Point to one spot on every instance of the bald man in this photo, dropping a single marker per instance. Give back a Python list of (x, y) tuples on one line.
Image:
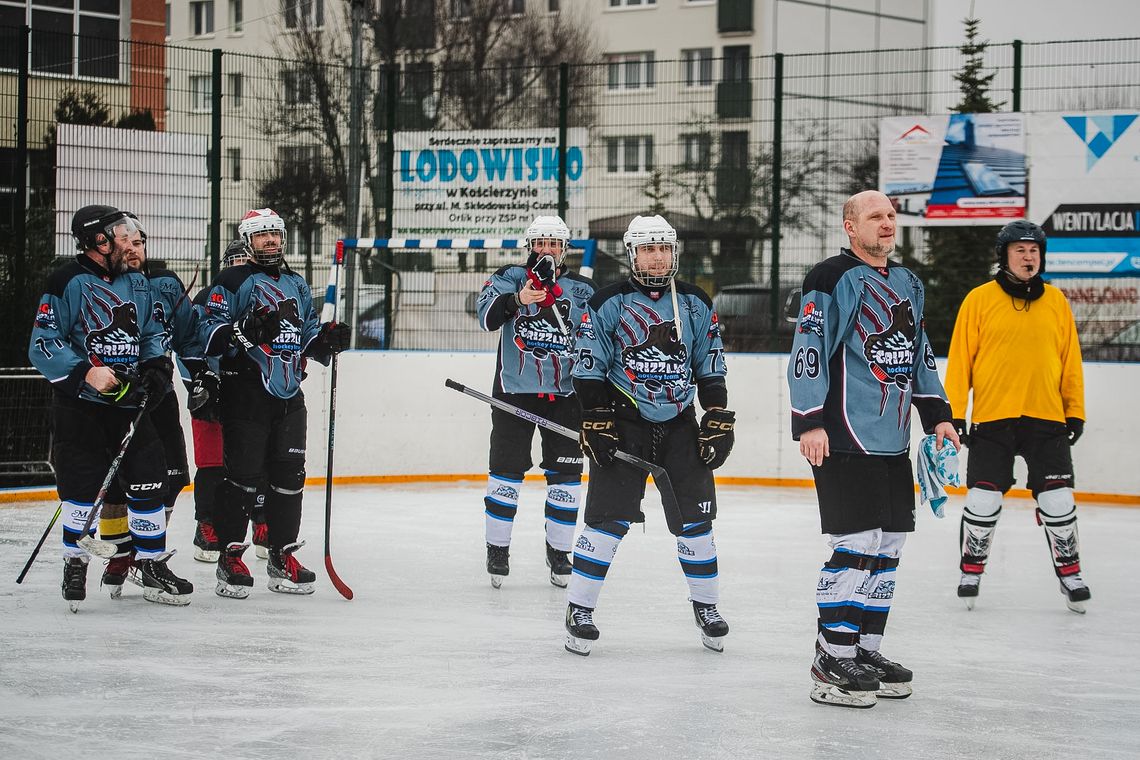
[(860, 360)]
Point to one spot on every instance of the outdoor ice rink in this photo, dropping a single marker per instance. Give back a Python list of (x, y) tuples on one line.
[(430, 662)]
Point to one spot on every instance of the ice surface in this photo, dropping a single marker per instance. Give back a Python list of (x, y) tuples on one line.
[(430, 662)]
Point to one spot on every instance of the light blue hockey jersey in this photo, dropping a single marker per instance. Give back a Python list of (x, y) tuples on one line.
[(861, 358)]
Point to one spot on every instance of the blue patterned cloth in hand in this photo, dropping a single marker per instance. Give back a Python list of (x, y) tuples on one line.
[(936, 468)]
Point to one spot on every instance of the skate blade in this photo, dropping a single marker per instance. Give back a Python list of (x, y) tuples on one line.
[(73, 605), (1077, 607), (561, 581), (827, 694), (231, 592), (497, 581), (262, 552), (714, 643), (116, 592), (578, 646), (160, 596), (894, 690), (205, 555), (288, 587), (969, 601)]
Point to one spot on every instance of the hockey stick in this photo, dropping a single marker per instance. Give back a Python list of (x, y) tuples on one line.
[(337, 583), (668, 497), (90, 544), (36, 551)]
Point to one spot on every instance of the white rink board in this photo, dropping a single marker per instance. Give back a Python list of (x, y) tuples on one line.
[(395, 417)]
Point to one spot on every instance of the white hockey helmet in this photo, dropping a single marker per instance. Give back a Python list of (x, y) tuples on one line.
[(644, 230), (263, 220), (548, 228)]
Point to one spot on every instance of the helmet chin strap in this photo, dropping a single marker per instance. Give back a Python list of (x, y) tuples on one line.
[(676, 310)]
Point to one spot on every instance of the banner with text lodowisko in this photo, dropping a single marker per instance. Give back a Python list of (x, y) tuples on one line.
[(486, 183)]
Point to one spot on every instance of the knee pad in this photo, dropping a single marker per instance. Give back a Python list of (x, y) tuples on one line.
[(863, 542), (615, 528), (141, 491), (1056, 503), (693, 530), (982, 502), (287, 478), (561, 478), (244, 496)]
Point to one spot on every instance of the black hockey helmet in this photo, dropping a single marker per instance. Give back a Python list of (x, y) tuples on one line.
[(1017, 231), (237, 252), (91, 221)]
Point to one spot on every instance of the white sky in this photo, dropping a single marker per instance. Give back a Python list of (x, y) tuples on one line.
[(1035, 20)]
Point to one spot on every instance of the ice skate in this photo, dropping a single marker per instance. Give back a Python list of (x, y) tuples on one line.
[(560, 568), (234, 580), (498, 564), (286, 574), (117, 572), (713, 627), (894, 679), (841, 681), (161, 585), (206, 547), (1076, 592), (968, 589), (74, 582), (580, 629), (261, 540)]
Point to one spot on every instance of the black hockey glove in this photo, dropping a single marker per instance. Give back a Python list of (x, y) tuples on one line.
[(261, 326), (336, 336), (203, 395), (962, 430), (1076, 428), (599, 436), (128, 391), (716, 436), (154, 379)]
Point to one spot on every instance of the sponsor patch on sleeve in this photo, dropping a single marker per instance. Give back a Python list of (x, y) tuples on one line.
[(811, 321)]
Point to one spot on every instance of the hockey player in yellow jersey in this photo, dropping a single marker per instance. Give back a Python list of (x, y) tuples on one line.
[(1015, 345)]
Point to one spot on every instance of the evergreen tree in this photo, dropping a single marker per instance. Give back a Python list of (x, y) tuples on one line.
[(959, 258)]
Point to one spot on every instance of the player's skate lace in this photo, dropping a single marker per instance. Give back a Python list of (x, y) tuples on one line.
[(581, 616), (1073, 582), (291, 567), (208, 536), (709, 614), (970, 579), (260, 534)]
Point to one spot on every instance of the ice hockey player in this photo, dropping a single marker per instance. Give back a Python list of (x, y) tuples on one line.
[(174, 313), (649, 347), (1015, 344), (207, 434), (95, 338), (533, 306), (265, 311), (860, 359)]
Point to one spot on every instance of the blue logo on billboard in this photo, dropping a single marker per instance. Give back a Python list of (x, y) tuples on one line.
[(1099, 133)]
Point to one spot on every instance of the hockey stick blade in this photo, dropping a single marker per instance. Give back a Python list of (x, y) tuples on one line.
[(660, 478), (337, 583), (97, 547), (36, 551)]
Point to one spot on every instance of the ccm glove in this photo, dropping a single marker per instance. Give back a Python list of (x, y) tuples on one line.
[(261, 326), (1076, 428), (599, 437), (716, 436), (962, 430), (203, 395)]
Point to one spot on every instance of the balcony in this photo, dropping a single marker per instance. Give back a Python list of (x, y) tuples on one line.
[(734, 100)]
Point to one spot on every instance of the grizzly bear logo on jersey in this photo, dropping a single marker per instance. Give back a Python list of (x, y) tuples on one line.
[(288, 340), (890, 352), (658, 361), (112, 326), (540, 334)]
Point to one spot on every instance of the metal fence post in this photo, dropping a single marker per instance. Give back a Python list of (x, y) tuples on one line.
[(215, 164), (563, 117), (21, 221), (393, 81), (777, 189), (1016, 75)]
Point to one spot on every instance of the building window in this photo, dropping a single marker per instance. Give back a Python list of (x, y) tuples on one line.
[(235, 90), (306, 14), (202, 18), (736, 63), (168, 21), (297, 159), (298, 88), (629, 71), (696, 67), (233, 158), (461, 8), (201, 93), (629, 154), (553, 6), (631, 3), (696, 151), (517, 7), (68, 38), (237, 16)]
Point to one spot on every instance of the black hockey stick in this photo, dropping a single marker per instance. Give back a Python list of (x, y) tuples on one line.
[(36, 551), (668, 498), (90, 544), (337, 583)]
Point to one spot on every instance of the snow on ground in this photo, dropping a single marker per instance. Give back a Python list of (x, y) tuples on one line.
[(429, 661)]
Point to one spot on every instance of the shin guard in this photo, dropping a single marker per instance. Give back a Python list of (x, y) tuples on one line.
[(501, 503), (841, 593), (979, 521), (696, 550), (114, 528), (882, 585), (147, 520), (1057, 514), (593, 553), (563, 497)]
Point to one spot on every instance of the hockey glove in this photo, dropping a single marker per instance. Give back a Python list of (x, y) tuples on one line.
[(154, 379), (544, 276), (962, 430), (1076, 427), (261, 326), (336, 336), (716, 437), (599, 436), (127, 392), (203, 395)]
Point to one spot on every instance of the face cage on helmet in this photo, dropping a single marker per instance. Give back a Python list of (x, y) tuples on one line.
[(532, 254), (648, 280), (265, 259)]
